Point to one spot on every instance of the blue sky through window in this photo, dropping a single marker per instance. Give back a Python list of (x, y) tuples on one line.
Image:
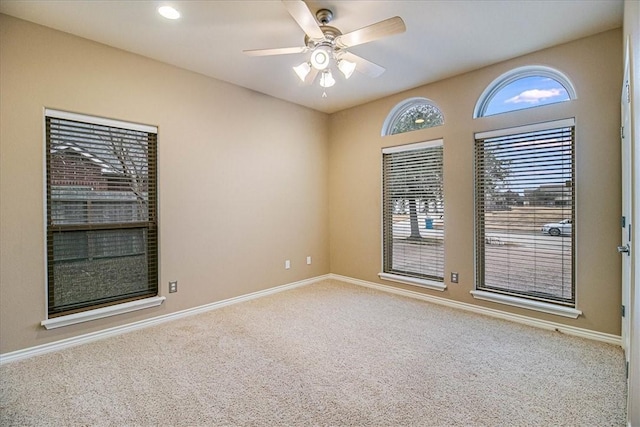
[(527, 92)]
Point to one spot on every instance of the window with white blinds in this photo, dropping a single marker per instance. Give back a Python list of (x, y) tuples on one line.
[(413, 211), (525, 212), (101, 212)]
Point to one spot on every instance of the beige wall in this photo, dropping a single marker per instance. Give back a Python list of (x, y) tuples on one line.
[(594, 66), (247, 181), (242, 176)]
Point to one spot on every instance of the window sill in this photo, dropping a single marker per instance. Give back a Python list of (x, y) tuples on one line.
[(112, 310), (543, 307), (423, 283)]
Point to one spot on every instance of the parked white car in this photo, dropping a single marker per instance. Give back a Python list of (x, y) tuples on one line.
[(563, 227)]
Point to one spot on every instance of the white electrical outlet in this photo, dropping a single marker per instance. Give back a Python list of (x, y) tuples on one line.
[(287, 264), (308, 260), (173, 286)]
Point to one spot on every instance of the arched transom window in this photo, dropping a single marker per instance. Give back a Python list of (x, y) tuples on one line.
[(524, 87), (412, 114)]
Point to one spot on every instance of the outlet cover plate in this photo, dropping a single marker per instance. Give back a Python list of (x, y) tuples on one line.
[(173, 286), (454, 277)]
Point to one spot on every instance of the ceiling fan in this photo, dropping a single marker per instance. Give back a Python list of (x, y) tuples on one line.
[(329, 47)]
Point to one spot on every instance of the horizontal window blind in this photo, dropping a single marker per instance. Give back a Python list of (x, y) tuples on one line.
[(413, 211), (101, 214), (525, 211)]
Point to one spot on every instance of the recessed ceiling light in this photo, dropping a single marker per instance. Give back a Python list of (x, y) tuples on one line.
[(168, 12)]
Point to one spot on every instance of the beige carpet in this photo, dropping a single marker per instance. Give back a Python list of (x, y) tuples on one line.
[(325, 354)]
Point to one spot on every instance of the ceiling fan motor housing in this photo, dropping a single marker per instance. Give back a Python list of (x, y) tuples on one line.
[(324, 16), (323, 50), (330, 33)]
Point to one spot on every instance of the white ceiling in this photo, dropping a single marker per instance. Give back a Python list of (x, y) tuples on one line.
[(443, 37)]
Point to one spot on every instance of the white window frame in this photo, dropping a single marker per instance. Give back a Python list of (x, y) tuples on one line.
[(107, 311), (414, 281), (512, 300)]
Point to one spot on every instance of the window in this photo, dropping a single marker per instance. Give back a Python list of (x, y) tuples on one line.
[(101, 212), (413, 214), (525, 212), (524, 87), (412, 114)]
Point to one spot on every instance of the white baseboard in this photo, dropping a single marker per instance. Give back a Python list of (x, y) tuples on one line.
[(94, 336), (538, 323), (117, 330)]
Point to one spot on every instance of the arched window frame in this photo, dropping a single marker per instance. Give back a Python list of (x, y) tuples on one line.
[(516, 74), (401, 108)]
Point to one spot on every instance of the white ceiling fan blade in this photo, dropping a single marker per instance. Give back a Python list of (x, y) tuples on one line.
[(276, 51), (305, 19), (372, 32), (310, 77), (364, 66)]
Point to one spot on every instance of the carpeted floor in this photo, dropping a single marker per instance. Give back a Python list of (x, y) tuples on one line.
[(325, 354)]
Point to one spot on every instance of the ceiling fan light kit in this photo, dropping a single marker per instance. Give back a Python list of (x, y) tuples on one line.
[(320, 57), (346, 67), (329, 46), (326, 79), (302, 70)]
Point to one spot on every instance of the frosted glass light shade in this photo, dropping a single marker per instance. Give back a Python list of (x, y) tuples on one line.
[(326, 79), (302, 70), (346, 67)]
